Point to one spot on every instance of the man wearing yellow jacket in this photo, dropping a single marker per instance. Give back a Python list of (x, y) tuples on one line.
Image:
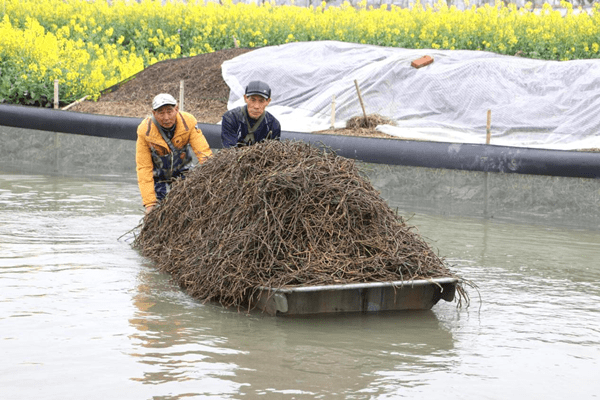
[(164, 146)]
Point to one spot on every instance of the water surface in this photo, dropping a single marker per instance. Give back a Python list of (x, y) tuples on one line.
[(82, 315)]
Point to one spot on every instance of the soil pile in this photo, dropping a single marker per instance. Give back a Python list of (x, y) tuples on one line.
[(205, 92), (280, 214)]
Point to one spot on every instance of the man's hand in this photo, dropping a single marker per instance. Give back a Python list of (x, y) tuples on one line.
[(149, 208)]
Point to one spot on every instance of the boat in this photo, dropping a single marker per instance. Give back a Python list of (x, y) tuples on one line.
[(368, 297)]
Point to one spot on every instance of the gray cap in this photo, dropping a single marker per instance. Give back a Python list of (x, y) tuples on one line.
[(260, 88), (163, 99)]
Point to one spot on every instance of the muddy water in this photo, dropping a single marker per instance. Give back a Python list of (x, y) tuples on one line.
[(82, 315)]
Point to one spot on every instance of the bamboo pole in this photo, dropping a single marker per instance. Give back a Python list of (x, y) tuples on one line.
[(488, 136), (74, 103), (360, 99), (333, 111), (56, 93), (181, 95)]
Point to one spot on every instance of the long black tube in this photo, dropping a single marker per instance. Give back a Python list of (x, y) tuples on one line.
[(470, 157)]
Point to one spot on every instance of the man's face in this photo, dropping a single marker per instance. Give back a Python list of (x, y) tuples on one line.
[(166, 116), (256, 105)]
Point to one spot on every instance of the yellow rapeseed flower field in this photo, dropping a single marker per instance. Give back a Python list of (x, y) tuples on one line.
[(89, 45)]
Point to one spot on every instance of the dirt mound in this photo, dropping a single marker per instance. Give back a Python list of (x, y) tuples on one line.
[(205, 91), (280, 214)]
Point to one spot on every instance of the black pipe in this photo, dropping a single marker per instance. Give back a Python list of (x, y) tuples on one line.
[(469, 157)]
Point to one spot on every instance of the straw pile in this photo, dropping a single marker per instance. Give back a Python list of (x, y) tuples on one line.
[(280, 214)]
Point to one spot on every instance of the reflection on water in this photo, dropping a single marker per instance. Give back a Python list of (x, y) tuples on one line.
[(338, 355), (346, 355), (81, 312)]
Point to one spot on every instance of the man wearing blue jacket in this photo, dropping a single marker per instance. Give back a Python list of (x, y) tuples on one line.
[(250, 124)]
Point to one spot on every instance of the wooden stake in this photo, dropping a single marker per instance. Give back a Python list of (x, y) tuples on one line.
[(56, 93), (360, 99), (333, 111), (235, 42), (488, 130), (181, 95)]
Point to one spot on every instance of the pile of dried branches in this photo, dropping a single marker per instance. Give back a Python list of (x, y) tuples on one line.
[(369, 121), (280, 214)]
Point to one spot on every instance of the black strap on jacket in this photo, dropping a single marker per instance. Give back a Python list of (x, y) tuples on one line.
[(163, 133), (249, 139)]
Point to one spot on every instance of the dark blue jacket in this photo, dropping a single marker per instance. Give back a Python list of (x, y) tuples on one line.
[(234, 128)]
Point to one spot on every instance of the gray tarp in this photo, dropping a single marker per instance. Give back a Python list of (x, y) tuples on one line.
[(533, 103)]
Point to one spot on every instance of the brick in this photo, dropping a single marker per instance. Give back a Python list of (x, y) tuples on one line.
[(421, 62)]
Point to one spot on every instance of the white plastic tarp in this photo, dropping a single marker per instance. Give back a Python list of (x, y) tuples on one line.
[(533, 103)]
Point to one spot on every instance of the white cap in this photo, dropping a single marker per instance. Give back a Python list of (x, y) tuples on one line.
[(163, 99)]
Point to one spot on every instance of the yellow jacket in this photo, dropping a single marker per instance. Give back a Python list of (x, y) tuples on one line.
[(149, 137)]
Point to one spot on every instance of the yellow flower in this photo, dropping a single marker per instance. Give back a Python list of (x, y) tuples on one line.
[(46, 35)]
